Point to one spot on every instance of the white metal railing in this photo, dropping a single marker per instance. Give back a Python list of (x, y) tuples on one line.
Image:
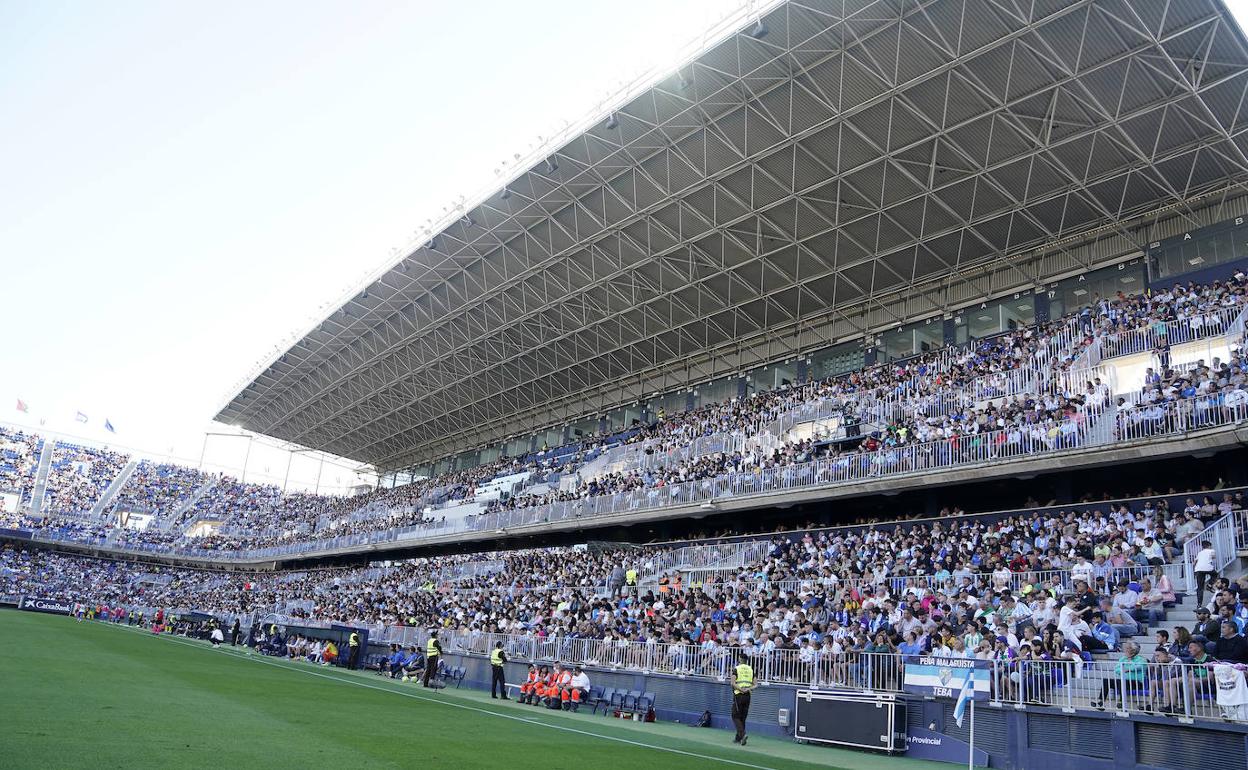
[(1179, 688), (1238, 328), (715, 581), (1222, 536), (734, 554), (1061, 580), (1156, 333)]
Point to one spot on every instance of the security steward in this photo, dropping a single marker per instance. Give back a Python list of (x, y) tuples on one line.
[(498, 682), (742, 684), (353, 657), (433, 654)]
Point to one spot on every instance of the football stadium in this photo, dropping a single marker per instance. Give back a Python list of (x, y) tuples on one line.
[(865, 388)]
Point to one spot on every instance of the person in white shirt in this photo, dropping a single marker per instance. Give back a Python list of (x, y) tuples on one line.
[(1125, 599), (580, 682), (1069, 620), (1021, 616), (1205, 569), (1082, 570), (1152, 552), (1043, 611)]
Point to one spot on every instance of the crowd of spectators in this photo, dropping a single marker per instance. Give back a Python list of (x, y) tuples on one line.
[(158, 488), (1170, 316), (19, 458), (1023, 423), (1078, 582), (78, 477), (1191, 396)]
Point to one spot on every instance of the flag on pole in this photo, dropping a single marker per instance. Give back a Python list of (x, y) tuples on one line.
[(21, 406), (80, 417), (108, 426), (967, 694)]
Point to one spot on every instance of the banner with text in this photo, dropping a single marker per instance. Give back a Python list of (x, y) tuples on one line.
[(943, 677), (57, 606)]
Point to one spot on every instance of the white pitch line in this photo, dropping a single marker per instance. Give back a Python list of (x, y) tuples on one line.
[(417, 696)]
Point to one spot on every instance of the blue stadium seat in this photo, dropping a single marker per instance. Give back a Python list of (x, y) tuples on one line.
[(595, 694), (645, 703), (604, 700), (617, 701), (630, 700)]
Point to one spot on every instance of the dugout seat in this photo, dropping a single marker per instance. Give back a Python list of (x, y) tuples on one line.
[(595, 694), (617, 701), (603, 699), (630, 700), (645, 703)]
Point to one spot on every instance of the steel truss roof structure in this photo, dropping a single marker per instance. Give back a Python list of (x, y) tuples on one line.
[(859, 165)]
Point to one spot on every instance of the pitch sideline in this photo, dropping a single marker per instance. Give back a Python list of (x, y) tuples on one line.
[(466, 707)]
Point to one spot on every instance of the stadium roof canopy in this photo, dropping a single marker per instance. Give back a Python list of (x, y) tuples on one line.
[(858, 165)]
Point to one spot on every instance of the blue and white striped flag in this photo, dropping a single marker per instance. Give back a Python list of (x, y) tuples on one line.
[(967, 694)]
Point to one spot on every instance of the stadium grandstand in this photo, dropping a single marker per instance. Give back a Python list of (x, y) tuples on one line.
[(875, 338)]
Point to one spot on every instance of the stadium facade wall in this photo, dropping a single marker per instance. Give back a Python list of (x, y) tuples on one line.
[(1035, 738)]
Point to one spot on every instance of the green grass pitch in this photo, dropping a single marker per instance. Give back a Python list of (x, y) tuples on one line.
[(90, 695)]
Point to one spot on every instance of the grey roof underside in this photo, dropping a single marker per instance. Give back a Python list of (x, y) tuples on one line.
[(861, 164)]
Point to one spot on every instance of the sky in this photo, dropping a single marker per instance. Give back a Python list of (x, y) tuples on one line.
[(184, 186)]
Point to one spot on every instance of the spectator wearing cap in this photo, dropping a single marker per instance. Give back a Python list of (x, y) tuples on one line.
[(1197, 662), (1206, 629), (1006, 657)]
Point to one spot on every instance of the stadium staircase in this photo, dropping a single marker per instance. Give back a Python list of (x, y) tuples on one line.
[(1087, 687), (169, 522), (470, 571), (696, 563), (41, 478), (728, 567), (105, 503)]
